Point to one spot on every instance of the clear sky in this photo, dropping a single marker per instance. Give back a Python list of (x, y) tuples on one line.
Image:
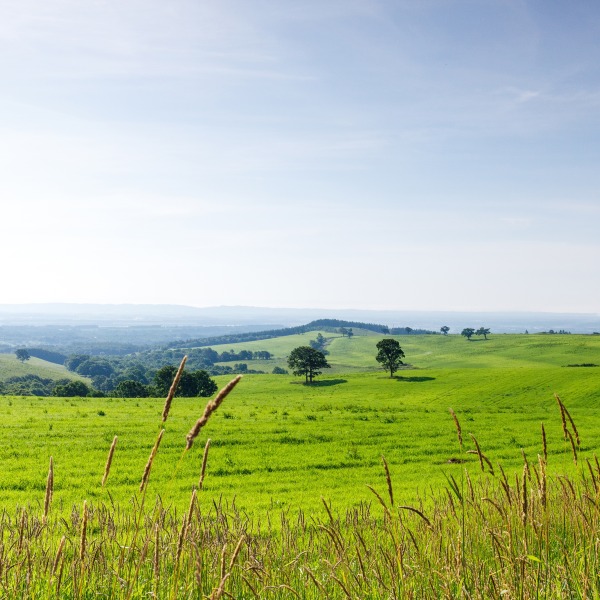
[(354, 153)]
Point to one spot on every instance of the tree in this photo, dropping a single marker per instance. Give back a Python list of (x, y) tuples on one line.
[(390, 355), (205, 385), (196, 383), (468, 332), (307, 361), (445, 329), (73, 388), (131, 389), (22, 354), (484, 331)]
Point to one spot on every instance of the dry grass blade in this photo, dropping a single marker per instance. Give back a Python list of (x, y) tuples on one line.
[(236, 552), (381, 500), (418, 512), (543, 481), (524, 507), (563, 419), (210, 408), (480, 456), (458, 429), (544, 444), (173, 389), (204, 461), (388, 478), (59, 552), (82, 540), (49, 489), (572, 424), (109, 460), (573, 448), (148, 467)]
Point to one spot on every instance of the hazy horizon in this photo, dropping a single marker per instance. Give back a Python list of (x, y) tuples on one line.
[(131, 315)]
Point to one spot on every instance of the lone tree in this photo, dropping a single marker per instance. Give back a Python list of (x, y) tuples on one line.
[(468, 332), (22, 354), (484, 331), (307, 361), (445, 329), (390, 355)]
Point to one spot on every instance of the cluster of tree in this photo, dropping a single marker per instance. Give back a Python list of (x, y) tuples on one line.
[(346, 332), (28, 385), (332, 325), (559, 332), (52, 356), (468, 332), (107, 372), (411, 331), (308, 361), (319, 344), (232, 355)]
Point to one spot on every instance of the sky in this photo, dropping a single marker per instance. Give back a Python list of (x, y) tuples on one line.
[(369, 154)]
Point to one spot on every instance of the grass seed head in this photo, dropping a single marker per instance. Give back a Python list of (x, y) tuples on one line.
[(173, 389), (148, 467), (210, 408), (82, 541), (49, 489), (109, 460), (458, 429), (204, 461)]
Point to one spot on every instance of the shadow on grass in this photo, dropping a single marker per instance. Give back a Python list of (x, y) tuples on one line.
[(413, 379), (321, 383)]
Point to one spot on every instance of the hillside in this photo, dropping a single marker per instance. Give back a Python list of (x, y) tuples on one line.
[(452, 351), (33, 376)]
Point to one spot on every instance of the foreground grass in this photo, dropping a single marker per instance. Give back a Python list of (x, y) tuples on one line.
[(486, 537)]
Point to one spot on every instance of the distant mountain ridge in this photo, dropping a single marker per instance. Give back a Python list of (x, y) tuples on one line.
[(273, 318)]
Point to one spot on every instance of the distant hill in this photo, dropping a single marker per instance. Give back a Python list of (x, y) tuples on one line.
[(274, 318), (34, 376)]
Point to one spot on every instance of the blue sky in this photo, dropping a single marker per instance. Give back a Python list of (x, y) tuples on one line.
[(425, 155)]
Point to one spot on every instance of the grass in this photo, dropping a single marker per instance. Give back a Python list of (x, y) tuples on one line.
[(357, 354), (279, 443), (259, 527), (11, 367), (530, 536)]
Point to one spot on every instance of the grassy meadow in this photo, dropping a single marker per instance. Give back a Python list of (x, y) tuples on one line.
[(277, 442), (285, 510), (10, 366)]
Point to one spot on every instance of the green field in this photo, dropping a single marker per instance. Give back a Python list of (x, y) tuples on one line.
[(437, 351), (278, 443), (11, 367)]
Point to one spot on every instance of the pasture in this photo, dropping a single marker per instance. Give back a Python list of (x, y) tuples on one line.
[(285, 511), (11, 367), (278, 443)]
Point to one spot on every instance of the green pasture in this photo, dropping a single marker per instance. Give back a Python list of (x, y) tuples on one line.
[(357, 354), (278, 443), (10, 366)]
